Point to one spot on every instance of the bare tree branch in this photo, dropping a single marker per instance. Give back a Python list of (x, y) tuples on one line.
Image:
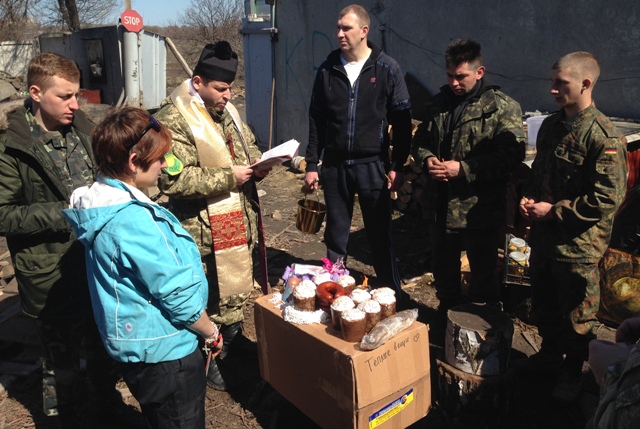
[(75, 14), (207, 21), (15, 21)]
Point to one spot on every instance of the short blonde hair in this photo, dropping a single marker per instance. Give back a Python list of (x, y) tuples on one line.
[(582, 64)]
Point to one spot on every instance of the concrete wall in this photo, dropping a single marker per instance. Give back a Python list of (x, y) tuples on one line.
[(521, 39), (15, 56)]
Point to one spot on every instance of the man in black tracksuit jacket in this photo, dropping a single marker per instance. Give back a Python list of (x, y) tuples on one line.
[(358, 92)]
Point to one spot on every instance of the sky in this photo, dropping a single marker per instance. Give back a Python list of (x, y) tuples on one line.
[(158, 12)]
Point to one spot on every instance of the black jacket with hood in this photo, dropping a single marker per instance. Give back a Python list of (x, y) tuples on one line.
[(350, 123)]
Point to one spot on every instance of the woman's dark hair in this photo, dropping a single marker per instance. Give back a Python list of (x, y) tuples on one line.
[(125, 131)]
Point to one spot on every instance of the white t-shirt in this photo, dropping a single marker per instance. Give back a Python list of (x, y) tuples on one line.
[(353, 69)]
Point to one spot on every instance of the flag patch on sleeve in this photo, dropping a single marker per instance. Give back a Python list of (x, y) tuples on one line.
[(174, 165), (610, 151)]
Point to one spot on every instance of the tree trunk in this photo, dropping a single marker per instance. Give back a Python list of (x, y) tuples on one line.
[(478, 339), (69, 11), (471, 401)]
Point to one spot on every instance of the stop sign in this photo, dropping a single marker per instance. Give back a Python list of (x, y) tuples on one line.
[(131, 20)]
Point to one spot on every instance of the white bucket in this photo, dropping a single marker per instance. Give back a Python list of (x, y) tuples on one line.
[(533, 126)]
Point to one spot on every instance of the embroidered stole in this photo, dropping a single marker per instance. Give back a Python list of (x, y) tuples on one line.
[(233, 258)]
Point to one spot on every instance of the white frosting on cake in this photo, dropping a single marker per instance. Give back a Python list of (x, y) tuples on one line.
[(385, 298), (321, 278), (382, 291), (360, 295), (353, 315), (370, 306), (346, 280), (306, 289), (342, 303)]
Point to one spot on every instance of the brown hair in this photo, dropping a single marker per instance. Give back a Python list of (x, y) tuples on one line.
[(582, 64), (118, 136), (359, 12), (45, 66)]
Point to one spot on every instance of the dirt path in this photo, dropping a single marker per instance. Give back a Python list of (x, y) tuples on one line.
[(254, 404)]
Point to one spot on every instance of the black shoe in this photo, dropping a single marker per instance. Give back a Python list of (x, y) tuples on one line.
[(568, 387), (214, 377), (543, 362)]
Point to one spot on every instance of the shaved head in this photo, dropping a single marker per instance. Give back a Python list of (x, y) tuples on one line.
[(582, 65)]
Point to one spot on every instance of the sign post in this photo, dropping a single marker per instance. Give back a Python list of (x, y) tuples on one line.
[(132, 22)]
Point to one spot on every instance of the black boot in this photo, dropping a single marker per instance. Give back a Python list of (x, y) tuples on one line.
[(229, 334), (214, 377)]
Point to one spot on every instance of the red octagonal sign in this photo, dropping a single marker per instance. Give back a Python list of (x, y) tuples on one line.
[(131, 20)]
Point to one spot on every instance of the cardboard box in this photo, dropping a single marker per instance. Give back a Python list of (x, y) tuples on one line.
[(336, 384)]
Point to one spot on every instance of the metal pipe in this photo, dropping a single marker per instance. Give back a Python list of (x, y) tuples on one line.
[(131, 68)]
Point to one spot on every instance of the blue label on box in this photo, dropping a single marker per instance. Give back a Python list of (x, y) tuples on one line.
[(388, 411)]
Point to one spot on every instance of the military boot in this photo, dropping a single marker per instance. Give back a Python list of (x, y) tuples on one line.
[(214, 377), (229, 334)]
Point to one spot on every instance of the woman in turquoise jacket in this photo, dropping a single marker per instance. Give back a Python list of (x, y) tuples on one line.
[(147, 285)]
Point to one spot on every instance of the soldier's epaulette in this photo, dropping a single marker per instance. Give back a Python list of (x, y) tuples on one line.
[(607, 127)]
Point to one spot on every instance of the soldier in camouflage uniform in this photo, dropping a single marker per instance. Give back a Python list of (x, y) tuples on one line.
[(577, 182), (189, 183), (616, 367), (45, 152), (469, 143)]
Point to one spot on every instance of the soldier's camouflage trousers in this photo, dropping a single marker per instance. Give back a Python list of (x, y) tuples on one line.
[(66, 344), (565, 299)]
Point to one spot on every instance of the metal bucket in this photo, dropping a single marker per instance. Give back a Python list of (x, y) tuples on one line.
[(310, 215)]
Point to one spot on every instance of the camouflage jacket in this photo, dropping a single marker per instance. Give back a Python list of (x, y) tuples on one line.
[(582, 171), (48, 260), (489, 142), (619, 406), (189, 189)]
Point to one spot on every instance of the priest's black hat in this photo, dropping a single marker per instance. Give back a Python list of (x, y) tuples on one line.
[(217, 62)]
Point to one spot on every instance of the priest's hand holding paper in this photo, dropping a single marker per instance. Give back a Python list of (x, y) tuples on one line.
[(243, 173), (261, 172)]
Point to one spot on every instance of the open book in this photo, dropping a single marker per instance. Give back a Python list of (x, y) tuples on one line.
[(277, 155)]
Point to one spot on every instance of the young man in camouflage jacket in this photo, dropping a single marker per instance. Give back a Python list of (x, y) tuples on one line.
[(577, 182), (45, 153), (469, 143), (211, 187)]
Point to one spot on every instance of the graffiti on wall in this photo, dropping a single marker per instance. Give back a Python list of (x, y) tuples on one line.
[(321, 45)]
